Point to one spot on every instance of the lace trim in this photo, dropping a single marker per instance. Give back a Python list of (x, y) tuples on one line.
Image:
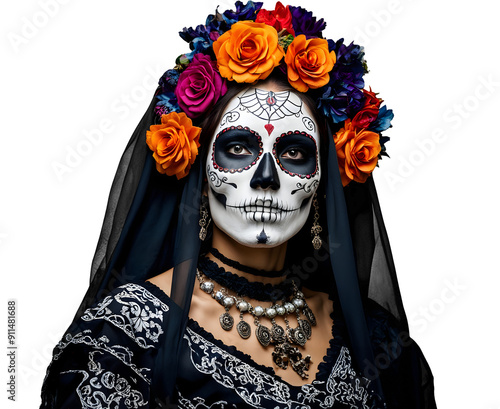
[(231, 349), (335, 346), (258, 388)]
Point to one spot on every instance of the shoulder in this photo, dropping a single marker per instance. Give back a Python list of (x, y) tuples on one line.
[(163, 281), (137, 311), (109, 352)]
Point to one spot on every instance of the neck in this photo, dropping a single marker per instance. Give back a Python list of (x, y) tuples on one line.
[(261, 258)]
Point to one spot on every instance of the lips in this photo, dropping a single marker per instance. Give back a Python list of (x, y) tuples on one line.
[(263, 210)]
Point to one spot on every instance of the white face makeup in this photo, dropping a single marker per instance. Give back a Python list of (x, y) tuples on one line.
[(263, 167)]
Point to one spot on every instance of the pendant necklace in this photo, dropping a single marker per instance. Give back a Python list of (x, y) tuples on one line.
[(285, 341)]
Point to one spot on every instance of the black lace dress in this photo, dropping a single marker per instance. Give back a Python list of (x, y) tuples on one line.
[(106, 360)]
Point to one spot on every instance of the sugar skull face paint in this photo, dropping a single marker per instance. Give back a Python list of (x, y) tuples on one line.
[(263, 167)]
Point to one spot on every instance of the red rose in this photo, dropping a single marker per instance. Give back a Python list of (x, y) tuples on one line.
[(280, 18), (371, 99), (365, 117), (369, 112)]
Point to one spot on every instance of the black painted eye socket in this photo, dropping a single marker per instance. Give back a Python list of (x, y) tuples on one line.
[(236, 149), (297, 154)]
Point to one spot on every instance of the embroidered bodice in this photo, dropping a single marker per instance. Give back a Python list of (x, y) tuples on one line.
[(106, 360)]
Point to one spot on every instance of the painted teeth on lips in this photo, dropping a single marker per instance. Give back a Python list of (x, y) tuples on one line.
[(262, 209), (264, 217)]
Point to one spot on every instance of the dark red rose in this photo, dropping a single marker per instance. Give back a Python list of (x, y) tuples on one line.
[(365, 117)]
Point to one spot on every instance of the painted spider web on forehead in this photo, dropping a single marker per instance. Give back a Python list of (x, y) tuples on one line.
[(269, 105)]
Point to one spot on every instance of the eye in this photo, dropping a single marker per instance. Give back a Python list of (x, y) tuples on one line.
[(293, 154), (297, 152), (238, 149)]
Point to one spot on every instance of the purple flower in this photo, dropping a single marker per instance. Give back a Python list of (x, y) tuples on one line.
[(200, 40), (242, 12), (341, 103), (200, 86), (189, 34), (216, 25), (347, 55), (168, 81), (340, 78), (350, 65), (305, 23), (214, 35), (167, 103), (343, 96)]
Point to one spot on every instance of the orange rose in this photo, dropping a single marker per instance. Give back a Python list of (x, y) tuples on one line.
[(174, 144), (342, 136), (357, 153), (309, 63), (248, 51)]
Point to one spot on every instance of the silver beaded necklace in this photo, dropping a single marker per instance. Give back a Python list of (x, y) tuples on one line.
[(285, 342)]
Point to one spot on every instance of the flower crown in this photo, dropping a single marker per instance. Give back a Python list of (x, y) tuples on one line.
[(246, 45)]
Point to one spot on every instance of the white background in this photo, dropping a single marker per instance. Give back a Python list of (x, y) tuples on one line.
[(68, 69)]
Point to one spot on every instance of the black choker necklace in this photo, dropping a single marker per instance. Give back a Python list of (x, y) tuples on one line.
[(250, 270), (240, 285)]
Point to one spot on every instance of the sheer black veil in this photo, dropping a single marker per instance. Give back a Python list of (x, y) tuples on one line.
[(151, 225)]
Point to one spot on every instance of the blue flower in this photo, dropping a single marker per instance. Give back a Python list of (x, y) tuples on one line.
[(343, 96), (243, 12), (168, 81), (383, 140), (305, 23), (383, 121), (199, 40), (167, 103), (189, 34), (340, 104), (216, 25)]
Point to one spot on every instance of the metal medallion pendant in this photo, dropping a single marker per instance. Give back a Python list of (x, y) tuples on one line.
[(263, 335), (299, 337), (278, 334), (309, 315), (306, 327), (226, 321), (280, 355), (244, 329), (301, 365)]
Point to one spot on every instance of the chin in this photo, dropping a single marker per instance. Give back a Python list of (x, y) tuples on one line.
[(260, 235)]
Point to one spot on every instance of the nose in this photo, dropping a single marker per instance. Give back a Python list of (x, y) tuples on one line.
[(265, 175)]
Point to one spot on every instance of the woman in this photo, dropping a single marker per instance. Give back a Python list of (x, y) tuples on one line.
[(245, 263)]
